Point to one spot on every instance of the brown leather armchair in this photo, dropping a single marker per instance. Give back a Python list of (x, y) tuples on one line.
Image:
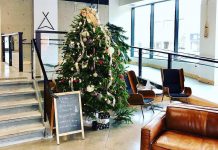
[(138, 97), (182, 127)]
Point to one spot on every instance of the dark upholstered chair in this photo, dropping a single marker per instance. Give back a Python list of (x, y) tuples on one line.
[(173, 84), (138, 97)]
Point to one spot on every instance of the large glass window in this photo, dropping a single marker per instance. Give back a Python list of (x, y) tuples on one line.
[(189, 26), (164, 14), (142, 26)]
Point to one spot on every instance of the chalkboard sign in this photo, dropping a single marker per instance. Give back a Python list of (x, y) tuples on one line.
[(68, 114)]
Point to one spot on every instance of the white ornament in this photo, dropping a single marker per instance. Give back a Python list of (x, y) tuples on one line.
[(80, 23), (95, 74), (72, 69), (84, 65), (110, 50), (108, 102), (84, 39), (72, 44), (77, 66), (94, 30), (90, 88)]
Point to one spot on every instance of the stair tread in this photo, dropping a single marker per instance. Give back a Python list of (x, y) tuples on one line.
[(19, 90), (21, 129), (29, 114), (9, 82), (17, 103)]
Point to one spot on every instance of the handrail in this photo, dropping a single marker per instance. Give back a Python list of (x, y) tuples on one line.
[(170, 58), (51, 32), (46, 81), (179, 54), (10, 34)]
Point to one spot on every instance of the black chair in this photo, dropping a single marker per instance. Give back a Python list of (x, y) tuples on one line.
[(173, 84), (138, 97)]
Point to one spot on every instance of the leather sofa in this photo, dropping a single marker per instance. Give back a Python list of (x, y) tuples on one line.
[(182, 127)]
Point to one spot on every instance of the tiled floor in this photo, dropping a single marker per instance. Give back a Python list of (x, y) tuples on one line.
[(123, 137), (10, 72)]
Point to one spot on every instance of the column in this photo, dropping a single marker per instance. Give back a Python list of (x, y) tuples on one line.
[(208, 45)]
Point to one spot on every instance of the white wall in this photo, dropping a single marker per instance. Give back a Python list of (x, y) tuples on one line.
[(73, 9), (49, 53), (120, 16), (208, 46), (46, 6)]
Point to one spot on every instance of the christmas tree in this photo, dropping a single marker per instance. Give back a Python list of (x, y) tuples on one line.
[(93, 62)]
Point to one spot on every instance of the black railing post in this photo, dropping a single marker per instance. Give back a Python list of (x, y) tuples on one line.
[(45, 78), (3, 49), (169, 66), (20, 36), (176, 27), (32, 50), (38, 41), (140, 62), (10, 50)]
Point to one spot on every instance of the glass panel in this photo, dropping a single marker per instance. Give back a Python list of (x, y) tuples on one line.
[(133, 65), (164, 14), (142, 26), (189, 26), (51, 52), (39, 80)]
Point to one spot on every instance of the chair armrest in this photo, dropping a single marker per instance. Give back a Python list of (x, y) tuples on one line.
[(147, 93), (166, 91), (188, 91), (152, 130), (135, 99)]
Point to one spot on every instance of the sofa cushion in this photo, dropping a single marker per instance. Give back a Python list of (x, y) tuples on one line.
[(181, 141), (197, 121)]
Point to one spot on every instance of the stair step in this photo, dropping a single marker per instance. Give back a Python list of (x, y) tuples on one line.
[(23, 115), (16, 92), (20, 103), (19, 130), (15, 82), (13, 78), (17, 97)]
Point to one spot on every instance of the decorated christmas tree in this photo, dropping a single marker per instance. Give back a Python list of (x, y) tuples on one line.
[(93, 62)]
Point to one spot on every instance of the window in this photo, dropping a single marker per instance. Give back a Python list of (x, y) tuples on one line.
[(164, 14), (189, 26), (142, 27)]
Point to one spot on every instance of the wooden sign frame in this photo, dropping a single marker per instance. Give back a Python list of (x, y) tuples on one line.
[(56, 117)]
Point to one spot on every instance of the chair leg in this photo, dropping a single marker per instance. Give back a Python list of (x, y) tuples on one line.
[(142, 112), (162, 98), (152, 108)]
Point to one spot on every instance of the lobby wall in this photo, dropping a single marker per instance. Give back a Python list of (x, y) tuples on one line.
[(17, 16), (68, 10)]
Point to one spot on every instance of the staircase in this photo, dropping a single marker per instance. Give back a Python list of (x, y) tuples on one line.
[(20, 119)]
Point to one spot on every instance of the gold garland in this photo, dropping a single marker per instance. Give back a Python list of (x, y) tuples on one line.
[(90, 15)]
